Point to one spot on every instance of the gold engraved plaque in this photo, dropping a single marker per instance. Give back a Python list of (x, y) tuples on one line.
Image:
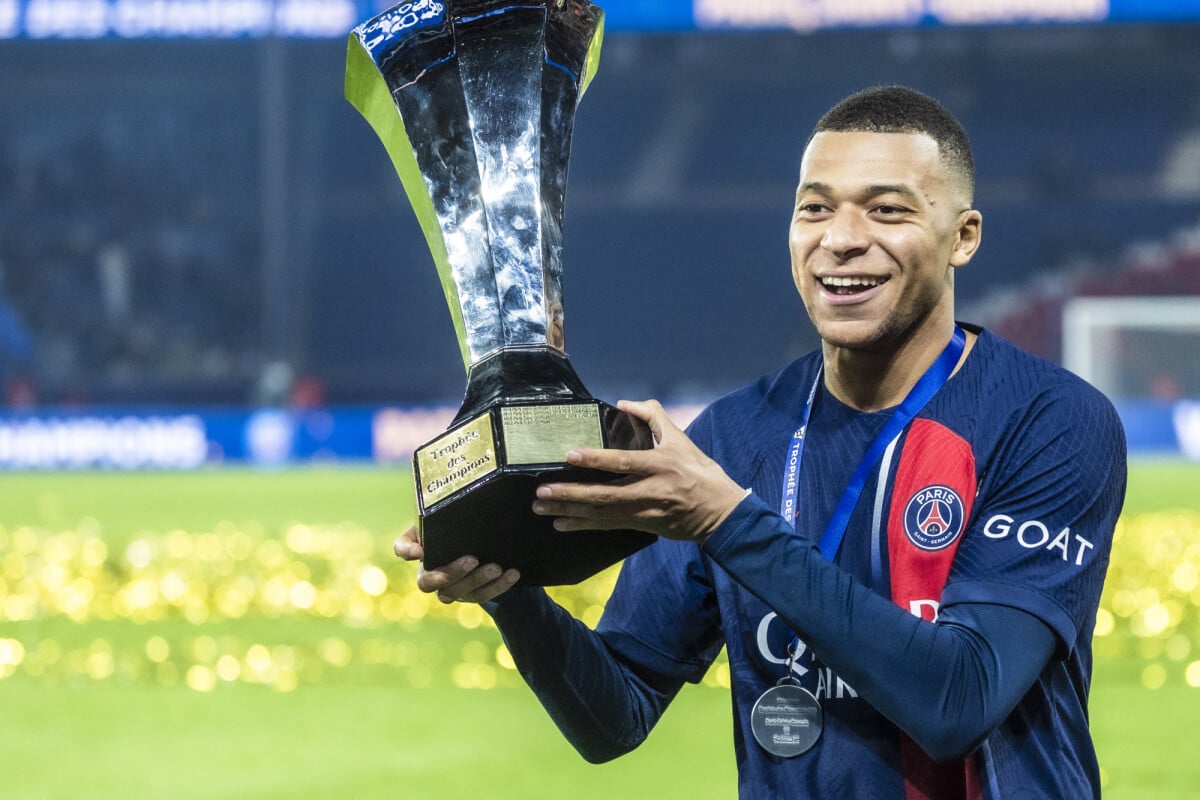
[(542, 434), (456, 460)]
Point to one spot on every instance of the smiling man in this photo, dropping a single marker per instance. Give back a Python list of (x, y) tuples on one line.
[(900, 539)]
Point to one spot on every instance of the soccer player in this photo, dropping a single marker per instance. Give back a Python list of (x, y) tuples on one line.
[(900, 538)]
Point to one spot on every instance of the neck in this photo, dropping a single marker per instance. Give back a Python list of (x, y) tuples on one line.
[(872, 380)]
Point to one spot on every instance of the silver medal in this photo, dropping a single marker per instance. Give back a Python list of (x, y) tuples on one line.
[(786, 720)]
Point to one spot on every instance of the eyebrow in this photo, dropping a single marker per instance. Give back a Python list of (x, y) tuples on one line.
[(874, 190)]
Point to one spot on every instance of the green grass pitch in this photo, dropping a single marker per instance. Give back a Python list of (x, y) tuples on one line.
[(247, 634)]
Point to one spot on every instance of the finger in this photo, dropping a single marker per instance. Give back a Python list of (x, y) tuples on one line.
[(434, 580), (652, 413), (642, 409), (493, 589), (464, 588), (408, 545), (623, 462), (549, 508), (572, 498), (585, 517)]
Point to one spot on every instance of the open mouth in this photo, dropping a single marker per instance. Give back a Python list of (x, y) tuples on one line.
[(850, 285)]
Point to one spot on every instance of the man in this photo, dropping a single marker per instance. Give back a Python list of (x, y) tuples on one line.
[(900, 539)]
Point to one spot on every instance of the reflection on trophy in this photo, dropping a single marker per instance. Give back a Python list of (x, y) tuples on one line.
[(474, 101)]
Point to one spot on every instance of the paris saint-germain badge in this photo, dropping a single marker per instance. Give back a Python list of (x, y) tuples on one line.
[(934, 518)]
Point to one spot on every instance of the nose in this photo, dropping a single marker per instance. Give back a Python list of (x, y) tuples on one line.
[(846, 235)]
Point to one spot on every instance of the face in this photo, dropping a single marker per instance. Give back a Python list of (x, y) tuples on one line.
[(879, 226)]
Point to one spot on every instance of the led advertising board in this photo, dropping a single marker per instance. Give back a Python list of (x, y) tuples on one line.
[(139, 19)]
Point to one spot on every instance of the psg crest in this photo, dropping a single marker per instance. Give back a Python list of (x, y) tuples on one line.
[(934, 517)]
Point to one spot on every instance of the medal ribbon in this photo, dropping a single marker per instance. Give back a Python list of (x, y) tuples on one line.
[(929, 384)]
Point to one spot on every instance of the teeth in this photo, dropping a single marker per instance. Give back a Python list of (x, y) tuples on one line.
[(851, 281)]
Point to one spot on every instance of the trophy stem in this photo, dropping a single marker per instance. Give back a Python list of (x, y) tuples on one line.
[(520, 374)]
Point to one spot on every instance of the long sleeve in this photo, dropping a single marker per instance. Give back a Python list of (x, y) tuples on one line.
[(946, 684), (604, 705)]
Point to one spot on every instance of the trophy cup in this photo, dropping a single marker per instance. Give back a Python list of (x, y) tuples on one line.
[(474, 101)]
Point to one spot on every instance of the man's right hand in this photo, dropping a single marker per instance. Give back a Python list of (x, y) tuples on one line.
[(463, 579)]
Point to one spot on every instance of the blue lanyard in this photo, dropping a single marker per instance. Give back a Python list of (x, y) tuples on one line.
[(933, 380)]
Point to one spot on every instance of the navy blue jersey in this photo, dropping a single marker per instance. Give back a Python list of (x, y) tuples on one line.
[(1004, 490)]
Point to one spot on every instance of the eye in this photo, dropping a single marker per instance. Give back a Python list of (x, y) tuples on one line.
[(890, 210), (810, 209)]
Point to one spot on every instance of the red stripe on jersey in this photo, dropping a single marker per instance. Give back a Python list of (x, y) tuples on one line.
[(932, 495)]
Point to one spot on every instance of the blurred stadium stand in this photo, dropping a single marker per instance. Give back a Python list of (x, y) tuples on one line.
[(180, 218), (1033, 316)]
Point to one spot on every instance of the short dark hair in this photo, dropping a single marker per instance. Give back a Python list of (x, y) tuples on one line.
[(898, 109)]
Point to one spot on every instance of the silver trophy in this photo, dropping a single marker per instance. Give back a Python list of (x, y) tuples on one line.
[(474, 101)]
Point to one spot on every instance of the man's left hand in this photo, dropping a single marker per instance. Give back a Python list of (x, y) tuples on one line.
[(673, 490)]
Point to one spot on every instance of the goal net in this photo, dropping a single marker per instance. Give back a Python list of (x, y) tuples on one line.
[(1134, 348)]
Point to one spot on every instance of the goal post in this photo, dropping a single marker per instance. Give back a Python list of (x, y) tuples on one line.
[(1134, 347)]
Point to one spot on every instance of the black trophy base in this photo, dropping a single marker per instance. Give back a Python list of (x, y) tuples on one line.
[(476, 483), (494, 524)]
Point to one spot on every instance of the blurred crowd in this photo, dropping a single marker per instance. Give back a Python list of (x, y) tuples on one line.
[(112, 278), (210, 222)]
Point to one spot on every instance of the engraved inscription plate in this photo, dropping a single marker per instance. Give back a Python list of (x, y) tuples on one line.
[(543, 434), (456, 460)]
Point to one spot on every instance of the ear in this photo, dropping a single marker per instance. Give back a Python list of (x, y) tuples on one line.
[(968, 235)]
